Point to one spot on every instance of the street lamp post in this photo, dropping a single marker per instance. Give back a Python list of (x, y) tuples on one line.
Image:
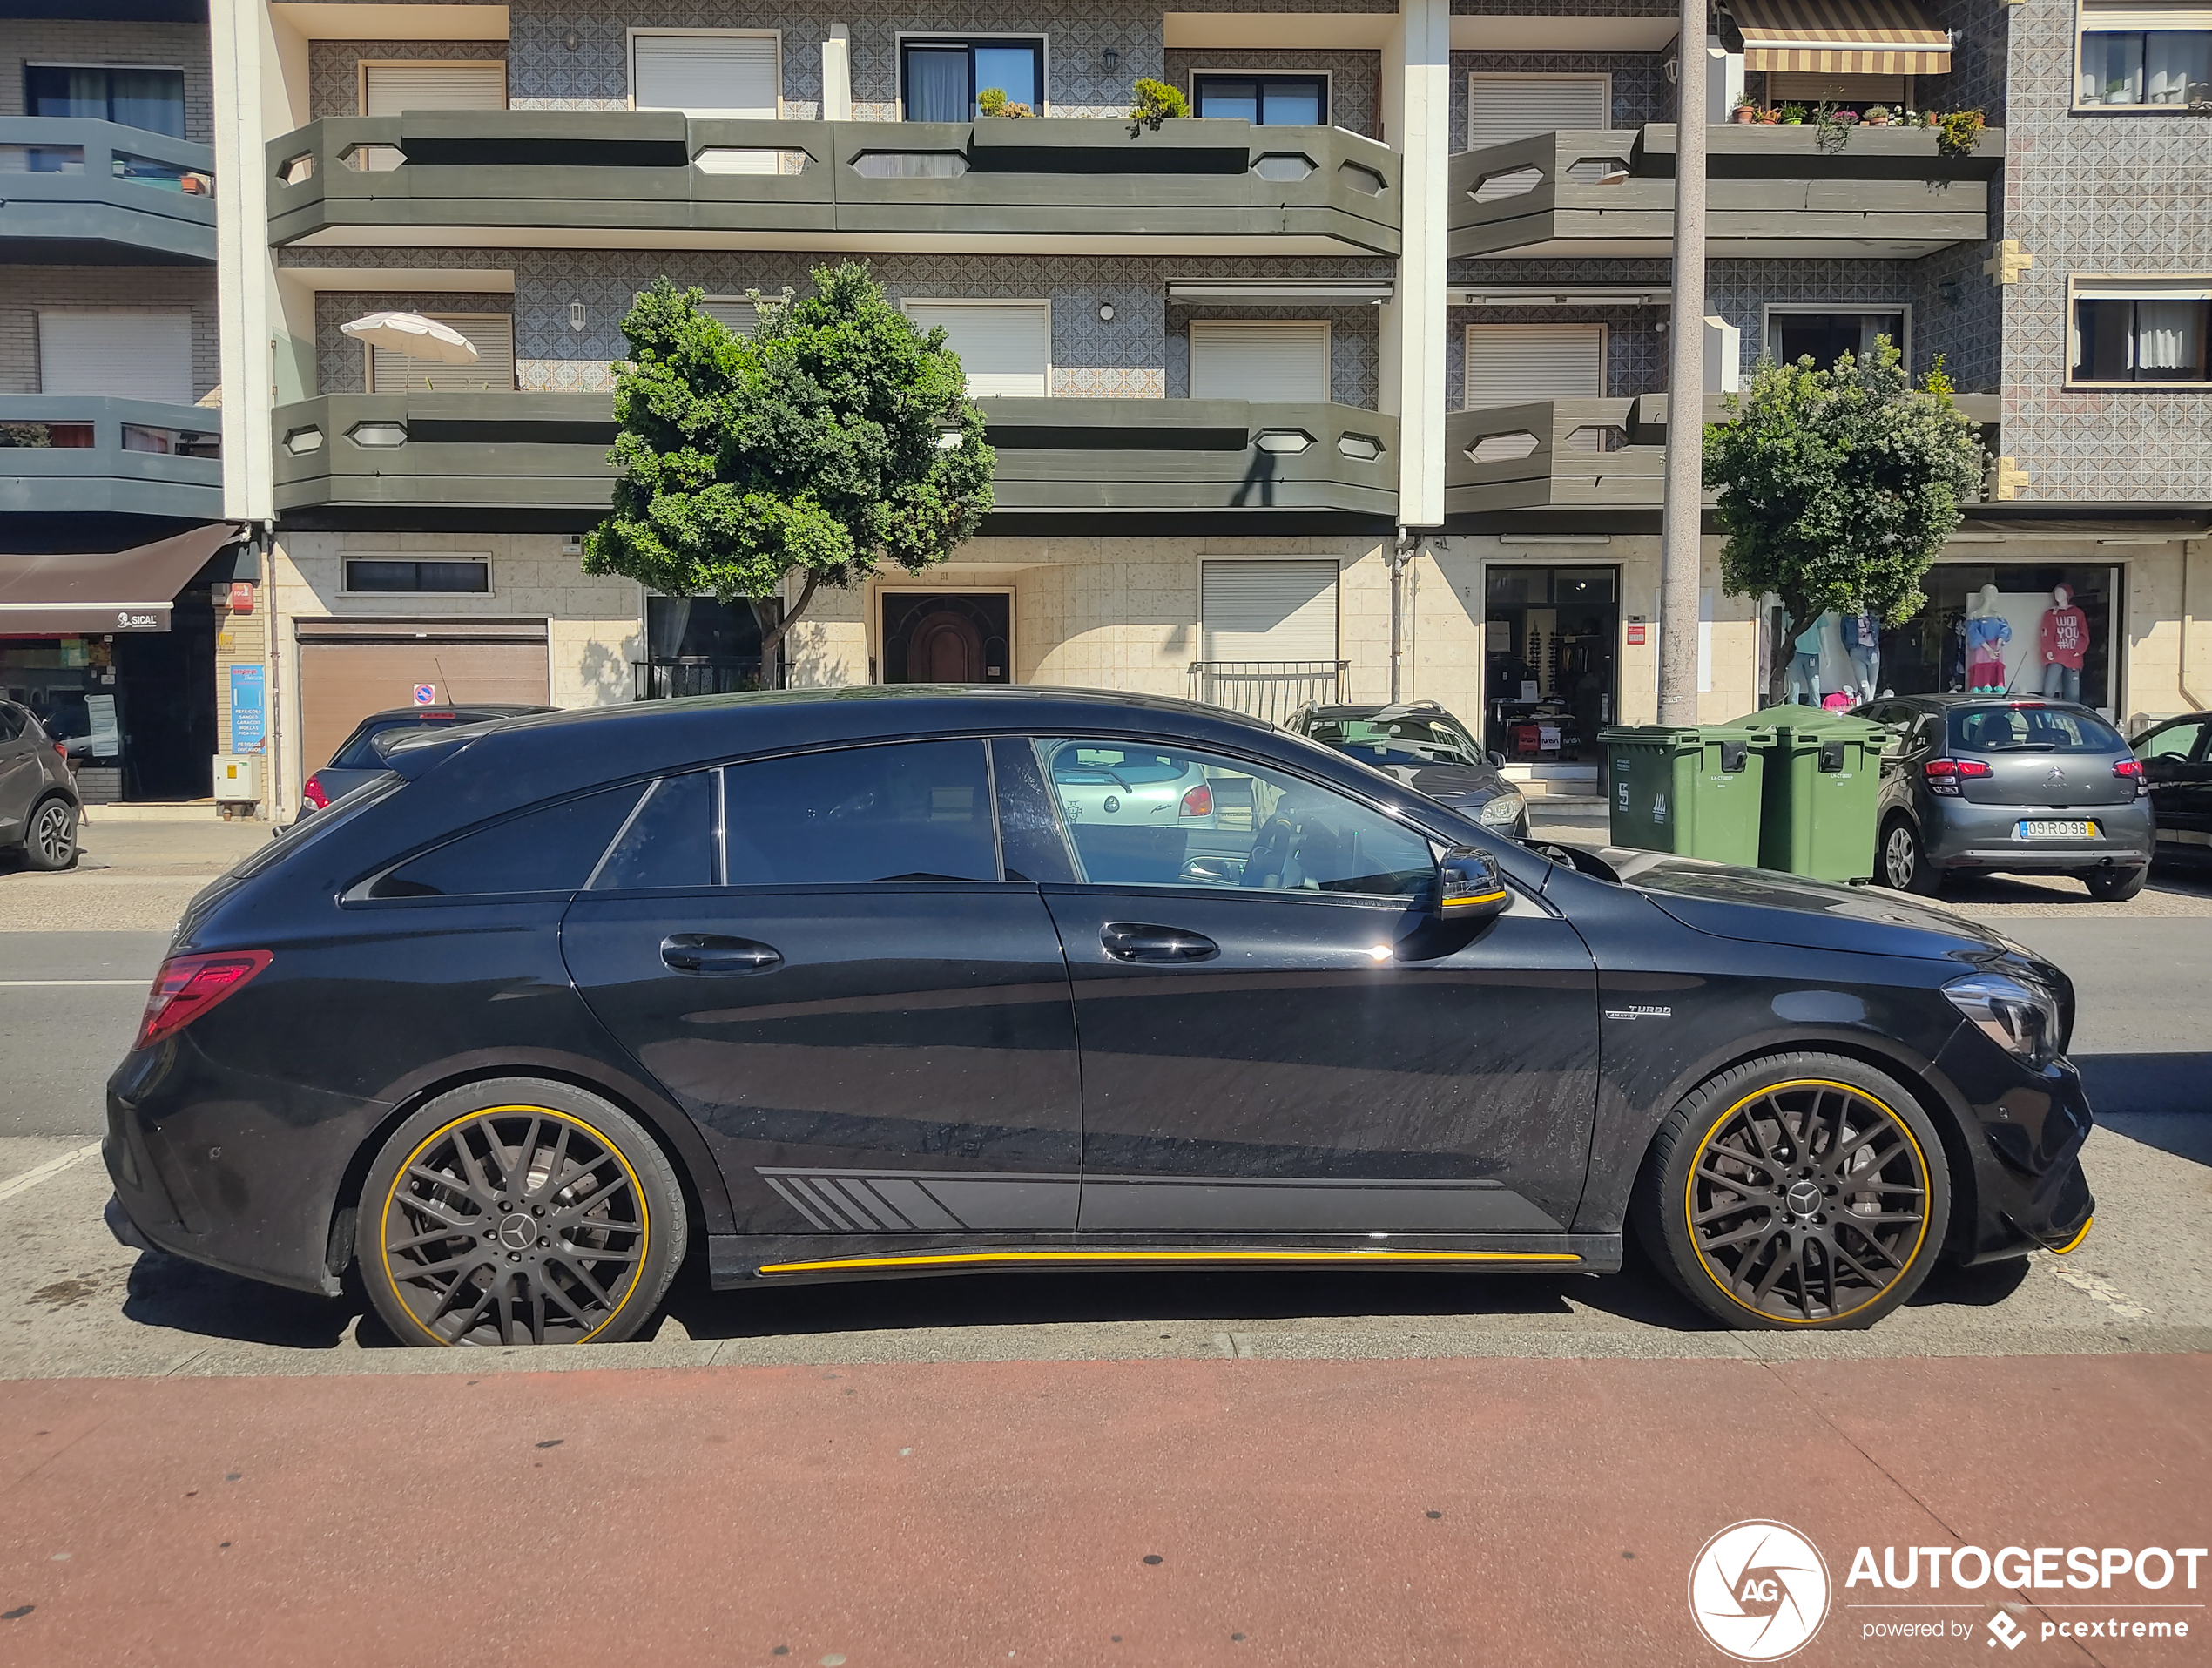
[(1680, 557)]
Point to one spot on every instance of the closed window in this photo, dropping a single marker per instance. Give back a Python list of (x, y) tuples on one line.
[(395, 88), (2181, 742), (552, 849), (1148, 815), (405, 574), (138, 355), (153, 99), (737, 75), (2143, 55), (1264, 100), (1005, 347), (1503, 108), (1512, 364), (1266, 360), (492, 335), (944, 80), (669, 839), (916, 811), (2151, 331), (1268, 612), (1824, 337)]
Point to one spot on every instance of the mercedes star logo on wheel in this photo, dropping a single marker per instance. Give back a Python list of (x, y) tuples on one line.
[(1759, 1590)]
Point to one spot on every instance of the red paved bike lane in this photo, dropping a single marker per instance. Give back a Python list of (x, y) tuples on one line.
[(1253, 1512)]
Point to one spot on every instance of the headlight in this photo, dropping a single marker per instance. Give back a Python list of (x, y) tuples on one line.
[(1504, 811), (2019, 1016)]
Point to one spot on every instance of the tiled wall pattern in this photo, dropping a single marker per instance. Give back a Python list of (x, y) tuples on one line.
[(1641, 92), (2096, 194), (54, 40), (25, 290), (1355, 78), (1978, 57), (333, 73)]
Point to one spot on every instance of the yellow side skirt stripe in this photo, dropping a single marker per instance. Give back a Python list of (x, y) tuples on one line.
[(2060, 1251), (944, 1258)]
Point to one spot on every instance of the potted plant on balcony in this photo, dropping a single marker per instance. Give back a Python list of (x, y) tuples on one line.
[(1957, 132), (1746, 114), (993, 101), (1793, 115), (1877, 115), (1770, 117), (1154, 102)]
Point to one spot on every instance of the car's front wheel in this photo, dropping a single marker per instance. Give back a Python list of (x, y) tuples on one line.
[(1905, 860), (49, 838), (519, 1212), (1799, 1191)]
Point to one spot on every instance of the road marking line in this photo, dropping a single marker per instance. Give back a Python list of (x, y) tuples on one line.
[(40, 984), (2103, 1292), (32, 1178)]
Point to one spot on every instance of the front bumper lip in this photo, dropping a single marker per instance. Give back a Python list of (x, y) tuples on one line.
[(125, 1231)]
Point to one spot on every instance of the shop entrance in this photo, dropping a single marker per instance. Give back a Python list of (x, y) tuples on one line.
[(1551, 680), (959, 637)]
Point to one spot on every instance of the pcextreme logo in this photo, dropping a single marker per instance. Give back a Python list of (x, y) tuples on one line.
[(1759, 1590)]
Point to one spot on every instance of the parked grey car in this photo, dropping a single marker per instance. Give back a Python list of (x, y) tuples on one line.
[(358, 758), (1972, 784), (38, 803), (1427, 749)]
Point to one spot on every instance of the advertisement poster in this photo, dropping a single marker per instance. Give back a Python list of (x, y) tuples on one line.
[(249, 711), (106, 740)]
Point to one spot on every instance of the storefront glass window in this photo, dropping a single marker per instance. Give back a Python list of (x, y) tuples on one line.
[(2007, 627), (1551, 680)]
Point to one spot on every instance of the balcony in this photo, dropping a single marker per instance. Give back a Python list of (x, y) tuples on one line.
[(74, 190), (662, 180), (1770, 190), (73, 454), (522, 462), (1576, 464)]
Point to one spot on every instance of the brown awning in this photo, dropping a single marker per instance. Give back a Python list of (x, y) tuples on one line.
[(1841, 37), (116, 590)]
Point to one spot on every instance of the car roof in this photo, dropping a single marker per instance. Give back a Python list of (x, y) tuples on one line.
[(475, 709), (1376, 709)]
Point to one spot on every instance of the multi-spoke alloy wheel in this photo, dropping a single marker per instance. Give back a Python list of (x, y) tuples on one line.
[(52, 842), (1803, 1191), (535, 1218)]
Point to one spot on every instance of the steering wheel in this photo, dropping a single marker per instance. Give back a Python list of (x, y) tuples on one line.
[(1271, 853)]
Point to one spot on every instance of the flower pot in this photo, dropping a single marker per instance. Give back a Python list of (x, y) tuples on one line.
[(1881, 120), (1746, 114)]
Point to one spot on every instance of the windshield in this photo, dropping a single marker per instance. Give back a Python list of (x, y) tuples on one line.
[(1397, 741), (359, 754), (2031, 729)]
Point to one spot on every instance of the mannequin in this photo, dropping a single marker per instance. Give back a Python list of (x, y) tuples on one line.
[(1804, 664), (1988, 632), (1862, 641), (2066, 640)]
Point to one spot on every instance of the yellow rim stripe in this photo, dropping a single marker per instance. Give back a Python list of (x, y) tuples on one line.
[(941, 1258), (2060, 1251), (645, 1224), (1690, 1203)]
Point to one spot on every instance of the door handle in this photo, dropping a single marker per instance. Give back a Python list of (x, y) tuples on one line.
[(710, 953), (1132, 941)]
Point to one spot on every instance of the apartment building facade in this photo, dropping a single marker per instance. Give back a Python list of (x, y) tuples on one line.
[(1355, 384)]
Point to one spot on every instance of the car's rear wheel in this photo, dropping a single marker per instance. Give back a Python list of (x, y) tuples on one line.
[(1905, 861), (1803, 1191), (2115, 885), (519, 1212), (49, 838)]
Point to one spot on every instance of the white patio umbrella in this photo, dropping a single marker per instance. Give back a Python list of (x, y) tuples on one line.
[(416, 336)]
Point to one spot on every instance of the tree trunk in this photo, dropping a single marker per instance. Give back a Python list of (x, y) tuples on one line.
[(1785, 646), (771, 636)]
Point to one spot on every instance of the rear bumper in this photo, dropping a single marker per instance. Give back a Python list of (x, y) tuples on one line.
[(1965, 835)]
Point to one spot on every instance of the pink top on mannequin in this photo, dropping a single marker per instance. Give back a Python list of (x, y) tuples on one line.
[(2065, 632)]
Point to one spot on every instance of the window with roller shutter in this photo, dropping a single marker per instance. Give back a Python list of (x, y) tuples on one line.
[(738, 316), (1266, 360), (1513, 364), (137, 355), (1503, 108), (491, 334), (735, 75), (1005, 347), (394, 89), (1268, 612)]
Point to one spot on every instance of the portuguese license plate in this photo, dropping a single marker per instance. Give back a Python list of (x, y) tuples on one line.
[(2056, 829)]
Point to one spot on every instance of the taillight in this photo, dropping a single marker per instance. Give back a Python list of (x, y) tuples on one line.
[(1945, 774), (2131, 770), (188, 986), (1198, 802), (315, 793)]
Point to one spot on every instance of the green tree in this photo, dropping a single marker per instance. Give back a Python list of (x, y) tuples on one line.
[(837, 438), (1839, 486)]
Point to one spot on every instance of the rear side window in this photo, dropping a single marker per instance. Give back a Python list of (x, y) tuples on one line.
[(668, 842), (358, 753), (553, 848), (913, 811), (2031, 729), (10, 723)]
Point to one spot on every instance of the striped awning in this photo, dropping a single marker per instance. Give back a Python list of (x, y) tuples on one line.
[(1841, 37)]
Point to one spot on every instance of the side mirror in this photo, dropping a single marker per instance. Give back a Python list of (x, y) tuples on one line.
[(1468, 886), (1497, 759)]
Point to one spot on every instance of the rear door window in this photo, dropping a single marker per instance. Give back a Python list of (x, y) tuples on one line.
[(912, 811), (554, 848), (2179, 741), (670, 841), (2031, 729)]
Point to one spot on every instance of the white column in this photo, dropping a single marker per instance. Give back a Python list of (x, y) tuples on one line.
[(246, 62), (1681, 550), (837, 75), (1417, 112)]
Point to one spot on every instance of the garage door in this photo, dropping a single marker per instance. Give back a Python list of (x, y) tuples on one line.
[(353, 668), (1259, 359)]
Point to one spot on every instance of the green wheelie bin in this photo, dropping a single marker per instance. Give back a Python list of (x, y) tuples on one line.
[(1823, 781), (1692, 792)]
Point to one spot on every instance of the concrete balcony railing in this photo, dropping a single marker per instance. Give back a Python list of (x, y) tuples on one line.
[(495, 179), (471, 462), (72, 188), (1770, 190), (88, 455)]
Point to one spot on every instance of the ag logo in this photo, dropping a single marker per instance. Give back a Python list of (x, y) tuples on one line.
[(1759, 1590)]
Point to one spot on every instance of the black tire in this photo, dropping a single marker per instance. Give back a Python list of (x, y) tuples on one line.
[(515, 1211), (1902, 862), (1744, 1208), (50, 834), (2115, 885)]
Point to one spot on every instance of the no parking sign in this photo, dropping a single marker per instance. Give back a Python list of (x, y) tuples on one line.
[(425, 694)]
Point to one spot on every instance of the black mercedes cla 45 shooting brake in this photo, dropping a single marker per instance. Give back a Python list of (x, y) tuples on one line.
[(839, 984)]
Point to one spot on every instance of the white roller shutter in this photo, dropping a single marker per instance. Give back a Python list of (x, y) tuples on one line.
[(1005, 347), (1508, 364), (1503, 108), (138, 355), (390, 89), (494, 336), (1259, 359), (1268, 610), (738, 318), (734, 75)]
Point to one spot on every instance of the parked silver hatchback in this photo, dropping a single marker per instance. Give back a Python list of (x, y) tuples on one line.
[(38, 801)]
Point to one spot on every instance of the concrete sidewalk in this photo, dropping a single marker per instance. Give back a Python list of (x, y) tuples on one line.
[(1163, 1512)]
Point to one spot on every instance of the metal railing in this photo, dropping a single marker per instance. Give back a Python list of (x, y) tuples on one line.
[(662, 680), (1268, 690)]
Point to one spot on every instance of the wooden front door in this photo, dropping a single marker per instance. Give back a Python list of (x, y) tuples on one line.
[(946, 648)]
